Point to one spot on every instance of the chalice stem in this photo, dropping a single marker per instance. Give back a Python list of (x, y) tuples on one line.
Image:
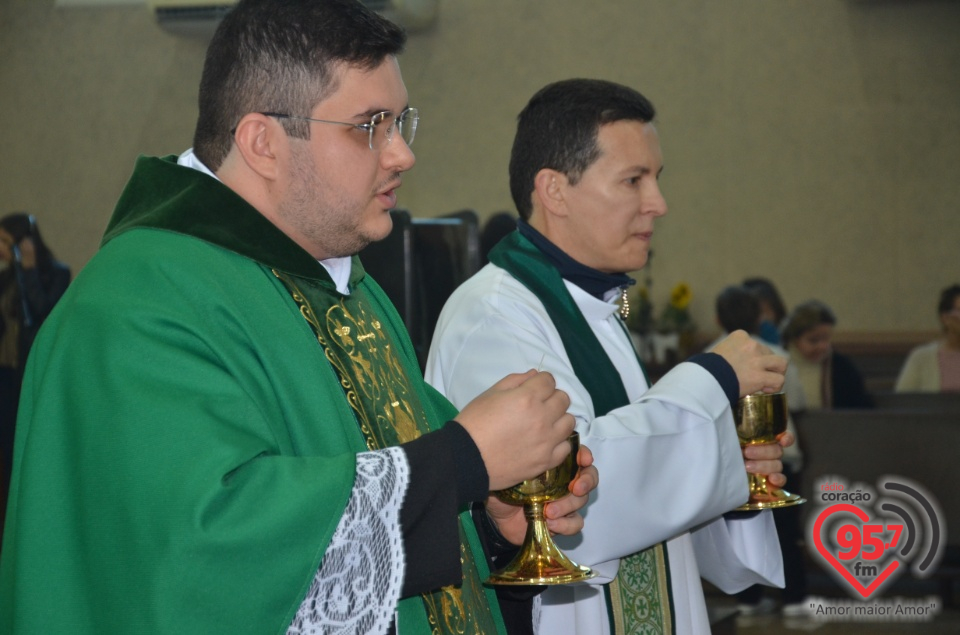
[(758, 486), (539, 560)]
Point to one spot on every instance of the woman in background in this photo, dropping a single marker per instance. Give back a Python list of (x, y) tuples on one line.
[(829, 379), (31, 282), (935, 367)]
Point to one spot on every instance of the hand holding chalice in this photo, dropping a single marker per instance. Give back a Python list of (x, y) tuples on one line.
[(762, 418), (539, 560)]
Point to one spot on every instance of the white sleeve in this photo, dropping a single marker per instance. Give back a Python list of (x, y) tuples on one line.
[(733, 554), (668, 462)]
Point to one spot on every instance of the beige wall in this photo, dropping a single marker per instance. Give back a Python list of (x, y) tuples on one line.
[(812, 141)]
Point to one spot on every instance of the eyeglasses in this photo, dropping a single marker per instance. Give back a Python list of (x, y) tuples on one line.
[(378, 136)]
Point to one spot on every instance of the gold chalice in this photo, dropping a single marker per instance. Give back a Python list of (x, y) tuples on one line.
[(762, 418), (539, 560)]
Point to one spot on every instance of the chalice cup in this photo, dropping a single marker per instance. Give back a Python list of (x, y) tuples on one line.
[(762, 418), (539, 560)]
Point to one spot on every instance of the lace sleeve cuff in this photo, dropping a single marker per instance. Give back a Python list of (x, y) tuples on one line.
[(357, 587)]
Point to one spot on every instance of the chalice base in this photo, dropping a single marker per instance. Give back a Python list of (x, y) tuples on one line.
[(762, 496), (540, 562)]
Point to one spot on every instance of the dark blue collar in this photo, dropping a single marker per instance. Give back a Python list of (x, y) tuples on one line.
[(596, 283)]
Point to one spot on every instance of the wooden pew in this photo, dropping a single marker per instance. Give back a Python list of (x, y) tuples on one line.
[(879, 355), (863, 445), (936, 401)]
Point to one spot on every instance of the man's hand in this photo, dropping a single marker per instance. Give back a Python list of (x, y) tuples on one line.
[(764, 459), (563, 516), (758, 369), (521, 427)]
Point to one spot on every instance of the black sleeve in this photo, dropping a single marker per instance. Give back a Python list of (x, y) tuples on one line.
[(446, 474), (516, 602), (723, 372)]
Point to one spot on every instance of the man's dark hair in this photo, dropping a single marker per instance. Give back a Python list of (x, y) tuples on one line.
[(738, 308), (558, 130), (281, 56)]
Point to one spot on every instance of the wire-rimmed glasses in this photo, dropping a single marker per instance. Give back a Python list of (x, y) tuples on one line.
[(378, 136)]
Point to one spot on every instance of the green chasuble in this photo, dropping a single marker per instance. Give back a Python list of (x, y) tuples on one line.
[(186, 443), (639, 597), (389, 411)]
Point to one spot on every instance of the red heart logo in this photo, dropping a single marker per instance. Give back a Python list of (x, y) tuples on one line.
[(867, 591)]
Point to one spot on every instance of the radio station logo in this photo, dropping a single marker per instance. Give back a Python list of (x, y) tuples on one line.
[(868, 537)]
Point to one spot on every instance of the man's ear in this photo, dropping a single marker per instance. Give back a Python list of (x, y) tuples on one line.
[(260, 140), (548, 188)]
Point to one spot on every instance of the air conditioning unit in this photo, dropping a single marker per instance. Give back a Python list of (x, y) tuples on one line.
[(413, 15), (190, 18), (199, 18)]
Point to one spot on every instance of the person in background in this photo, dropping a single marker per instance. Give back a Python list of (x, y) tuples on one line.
[(739, 308), (935, 367), (584, 172), (772, 308), (223, 425), (32, 280), (828, 378)]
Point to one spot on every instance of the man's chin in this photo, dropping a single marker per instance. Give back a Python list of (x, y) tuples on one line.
[(381, 229), (373, 235)]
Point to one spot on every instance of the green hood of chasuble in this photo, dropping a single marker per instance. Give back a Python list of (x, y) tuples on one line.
[(233, 555)]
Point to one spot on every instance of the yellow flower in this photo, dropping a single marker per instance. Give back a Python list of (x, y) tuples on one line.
[(680, 296)]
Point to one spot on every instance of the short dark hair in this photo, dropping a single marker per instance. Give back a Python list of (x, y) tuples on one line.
[(947, 297), (768, 293), (738, 308), (280, 56), (804, 317), (558, 130)]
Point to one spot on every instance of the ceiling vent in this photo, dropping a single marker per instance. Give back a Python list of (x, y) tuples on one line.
[(190, 18), (199, 18)]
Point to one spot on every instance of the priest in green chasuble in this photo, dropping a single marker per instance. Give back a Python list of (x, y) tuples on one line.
[(223, 426)]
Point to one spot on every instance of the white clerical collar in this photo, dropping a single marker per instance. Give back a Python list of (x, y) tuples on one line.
[(592, 307), (338, 268), (190, 160)]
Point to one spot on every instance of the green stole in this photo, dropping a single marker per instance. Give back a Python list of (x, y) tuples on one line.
[(639, 598), (390, 410)]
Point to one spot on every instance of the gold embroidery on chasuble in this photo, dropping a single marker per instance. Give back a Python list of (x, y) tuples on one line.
[(389, 413)]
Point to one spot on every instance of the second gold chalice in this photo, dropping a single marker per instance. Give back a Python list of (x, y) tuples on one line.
[(762, 418), (539, 560)]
